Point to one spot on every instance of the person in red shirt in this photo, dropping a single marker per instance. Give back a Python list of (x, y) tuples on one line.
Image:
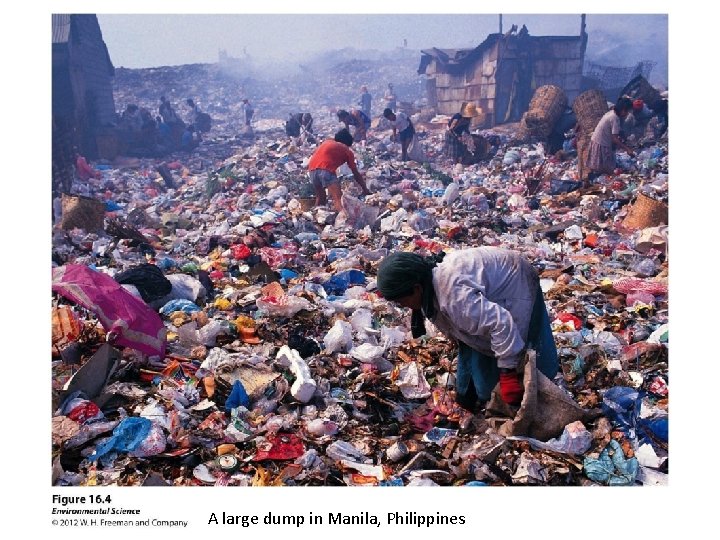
[(324, 163)]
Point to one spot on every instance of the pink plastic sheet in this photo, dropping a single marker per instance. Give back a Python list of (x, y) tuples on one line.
[(136, 325)]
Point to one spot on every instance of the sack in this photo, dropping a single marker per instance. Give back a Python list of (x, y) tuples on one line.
[(416, 152), (82, 213), (359, 215), (545, 409)]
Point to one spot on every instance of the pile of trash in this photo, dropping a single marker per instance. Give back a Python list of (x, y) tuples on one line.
[(217, 330)]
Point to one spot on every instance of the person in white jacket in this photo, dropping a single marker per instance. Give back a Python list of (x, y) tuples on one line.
[(489, 300)]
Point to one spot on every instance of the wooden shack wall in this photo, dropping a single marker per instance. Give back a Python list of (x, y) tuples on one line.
[(476, 83), (91, 71), (554, 60), (558, 61)]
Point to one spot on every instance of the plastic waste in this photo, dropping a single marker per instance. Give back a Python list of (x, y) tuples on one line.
[(344, 451), (621, 404), (126, 437), (338, 338), (361, 320), (611, 467), (238, 397), (392, 336), (412, 382), (186, 306), (321, 427), (304, 386), (575, 439), (367, 353), (338, 284)]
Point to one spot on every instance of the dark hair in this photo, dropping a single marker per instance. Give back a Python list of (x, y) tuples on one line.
[(623, 104), (388, 111), (343, 136), (190, 102), (342, 113)]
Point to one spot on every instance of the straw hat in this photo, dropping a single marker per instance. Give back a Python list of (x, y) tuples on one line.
[(470, 110)]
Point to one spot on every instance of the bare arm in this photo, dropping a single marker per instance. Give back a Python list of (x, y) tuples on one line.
[(617, 142), (356, 175)]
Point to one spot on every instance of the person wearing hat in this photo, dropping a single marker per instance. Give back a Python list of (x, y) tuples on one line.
[(641, 116), (324, 163), (459, 128), (489, 300), (402, 128)]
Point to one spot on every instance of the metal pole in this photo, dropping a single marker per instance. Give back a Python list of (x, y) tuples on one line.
[(500, 16)]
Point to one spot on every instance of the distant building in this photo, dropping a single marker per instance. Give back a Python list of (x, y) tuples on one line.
[(82, 80), (501, 74)]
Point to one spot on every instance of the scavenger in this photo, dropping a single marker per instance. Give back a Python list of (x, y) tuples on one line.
[(486, 298), (324, 163)]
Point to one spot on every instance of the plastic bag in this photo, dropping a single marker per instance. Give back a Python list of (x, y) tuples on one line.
[(279, 447), (412, 382), (575, 439), (344, 451), (186, 306), (276, 302), (358, 214), (393, 223), (367, 353), (452, 192), (621, 404), (361, 320), (184, 287), (392, 336), (611, 467), (153, 444), (338, 338), (238, 397), (304, 386), (126, 437), (416, 152), (337, 284)]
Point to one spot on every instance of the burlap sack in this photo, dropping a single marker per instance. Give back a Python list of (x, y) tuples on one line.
[(80, 212), (545, 409)]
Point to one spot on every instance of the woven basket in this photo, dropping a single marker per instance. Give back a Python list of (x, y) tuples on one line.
[(583, 153), (546, 106), (646, 212), (80, 212), (589, 107), (306, 203)]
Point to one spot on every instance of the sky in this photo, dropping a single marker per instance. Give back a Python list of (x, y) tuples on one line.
[(137, 41)]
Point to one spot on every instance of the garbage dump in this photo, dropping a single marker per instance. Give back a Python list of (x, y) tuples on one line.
[(215, 327)]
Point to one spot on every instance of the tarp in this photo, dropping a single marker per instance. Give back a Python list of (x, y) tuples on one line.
[(136, 325)]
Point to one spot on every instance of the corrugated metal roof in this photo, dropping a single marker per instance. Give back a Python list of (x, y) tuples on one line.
[(60, 28)]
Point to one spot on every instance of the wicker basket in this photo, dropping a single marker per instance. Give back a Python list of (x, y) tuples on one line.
[(589, 107), (82, 213), (306, 203), (546, 106), (646, 212)]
